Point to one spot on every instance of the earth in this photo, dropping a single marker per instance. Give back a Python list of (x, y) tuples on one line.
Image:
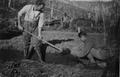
[(12, 63)]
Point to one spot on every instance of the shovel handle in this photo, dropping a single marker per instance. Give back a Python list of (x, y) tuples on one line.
[(44, 41)]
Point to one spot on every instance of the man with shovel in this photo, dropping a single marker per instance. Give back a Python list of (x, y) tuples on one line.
[(33, 23)]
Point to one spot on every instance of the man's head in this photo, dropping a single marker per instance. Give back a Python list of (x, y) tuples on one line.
[(82, 35), (39, 5)]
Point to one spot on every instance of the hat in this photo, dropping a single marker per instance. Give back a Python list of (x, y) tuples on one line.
[(39, 2), (82, 33)]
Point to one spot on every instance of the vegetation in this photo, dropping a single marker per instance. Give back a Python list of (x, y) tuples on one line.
[(97, 14)]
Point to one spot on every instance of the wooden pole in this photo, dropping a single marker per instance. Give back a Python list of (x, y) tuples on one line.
[(104, 24), (44, 41), (9, 3), (103, 19)]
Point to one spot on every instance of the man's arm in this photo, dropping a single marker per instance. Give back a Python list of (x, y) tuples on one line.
[(40, 24), (88, 46), (20, 13)]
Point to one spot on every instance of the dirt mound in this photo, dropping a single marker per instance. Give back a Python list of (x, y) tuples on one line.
[(29, 68)]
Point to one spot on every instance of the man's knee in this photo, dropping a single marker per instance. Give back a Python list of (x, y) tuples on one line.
[(40, 54), (26, 38), (91, 58)]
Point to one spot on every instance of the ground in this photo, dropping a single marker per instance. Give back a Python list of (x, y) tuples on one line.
[(56, 65)]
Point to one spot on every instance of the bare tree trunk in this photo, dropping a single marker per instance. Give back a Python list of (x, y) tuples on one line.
[(9, 3), (103, 19), (52, 9)]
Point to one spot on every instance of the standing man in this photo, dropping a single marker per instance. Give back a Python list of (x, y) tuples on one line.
[(66, 20), (33, 23)]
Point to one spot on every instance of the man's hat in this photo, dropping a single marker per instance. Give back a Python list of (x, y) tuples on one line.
[(82, 33), (40, 2)]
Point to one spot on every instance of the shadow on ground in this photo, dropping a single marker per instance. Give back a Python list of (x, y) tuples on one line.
[(59, 41), (10, 54), (9, 35)]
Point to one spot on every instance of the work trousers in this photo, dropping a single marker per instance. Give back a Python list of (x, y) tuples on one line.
[(31, 44)]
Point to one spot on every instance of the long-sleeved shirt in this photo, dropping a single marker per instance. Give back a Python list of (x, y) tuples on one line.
[(89, 44), (32, 15), (83, 49)]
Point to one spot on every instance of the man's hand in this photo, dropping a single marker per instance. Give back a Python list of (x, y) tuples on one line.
[(40, 37), (20, 27)]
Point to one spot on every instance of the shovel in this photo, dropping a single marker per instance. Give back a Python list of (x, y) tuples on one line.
[(63, 51)]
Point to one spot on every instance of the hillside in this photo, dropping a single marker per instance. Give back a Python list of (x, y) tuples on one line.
[(78, 11)]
